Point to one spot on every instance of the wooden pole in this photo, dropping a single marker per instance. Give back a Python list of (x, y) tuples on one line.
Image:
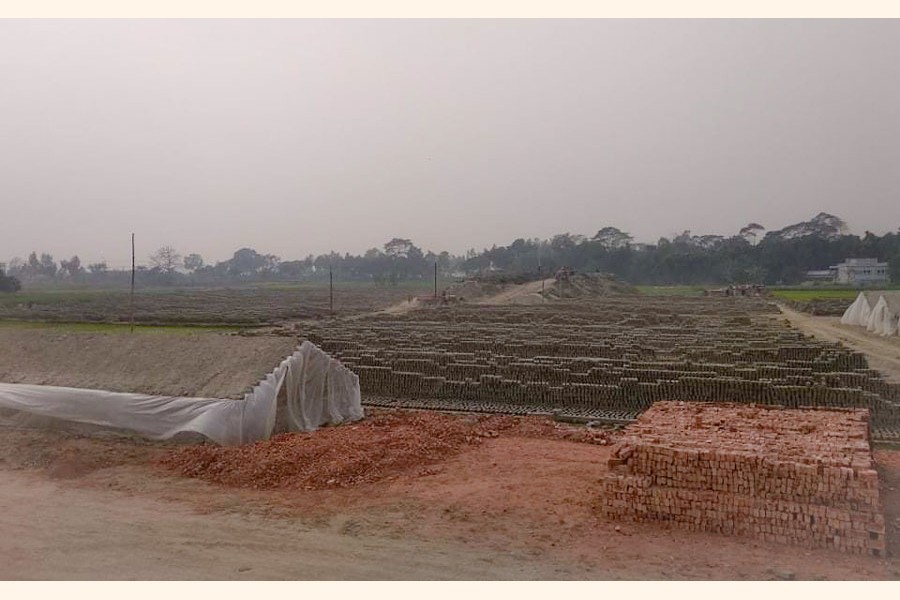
[(330, 290), (540, 274), (131, 303), (435, 279)]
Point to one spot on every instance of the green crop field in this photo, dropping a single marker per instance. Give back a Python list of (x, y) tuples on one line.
[(805, 295), (118, 328), (671, 290), (248, 305)]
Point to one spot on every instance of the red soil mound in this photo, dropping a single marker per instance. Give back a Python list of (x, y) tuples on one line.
[(384, 445)]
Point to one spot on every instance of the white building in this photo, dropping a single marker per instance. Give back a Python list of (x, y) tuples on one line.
[(860, 271), (826, 275)]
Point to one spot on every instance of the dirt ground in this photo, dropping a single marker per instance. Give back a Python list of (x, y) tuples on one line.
[(212, 365), (518, 294), (511, 507), (524, 293), (882, 353), (106, 506)]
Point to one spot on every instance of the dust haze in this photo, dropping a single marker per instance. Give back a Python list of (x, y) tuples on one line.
[(302, 136)]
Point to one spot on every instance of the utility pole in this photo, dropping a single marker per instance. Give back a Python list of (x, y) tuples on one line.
[(131, 303), (331, 290), (539, 269), (435, 279)]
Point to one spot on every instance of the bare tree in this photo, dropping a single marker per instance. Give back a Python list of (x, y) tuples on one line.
[(166, 259)]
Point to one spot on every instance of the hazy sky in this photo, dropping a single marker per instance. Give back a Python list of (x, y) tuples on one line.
[(297, 137)]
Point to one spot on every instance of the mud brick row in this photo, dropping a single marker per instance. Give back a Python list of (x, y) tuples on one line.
[(616, 354), (791, 476)]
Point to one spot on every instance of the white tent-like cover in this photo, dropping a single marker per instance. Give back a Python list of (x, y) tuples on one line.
[(858, 312), (319, 390), (878, 312)]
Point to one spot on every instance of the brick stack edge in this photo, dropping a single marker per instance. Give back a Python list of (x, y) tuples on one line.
[(794, 476)]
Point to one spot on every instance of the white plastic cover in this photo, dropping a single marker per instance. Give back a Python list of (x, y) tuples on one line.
[(883, 319), (877, 311), (858, 312), (319, 391)]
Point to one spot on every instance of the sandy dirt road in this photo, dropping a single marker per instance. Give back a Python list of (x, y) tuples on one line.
[(57, 531), (883, 353), (528, 293), (517, 293)]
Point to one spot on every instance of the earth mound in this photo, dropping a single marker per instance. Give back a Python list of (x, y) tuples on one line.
[(581, 285), (566, 286), (385, 444)]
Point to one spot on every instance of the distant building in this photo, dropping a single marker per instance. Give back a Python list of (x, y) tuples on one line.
[(826, 275), (860, 271)]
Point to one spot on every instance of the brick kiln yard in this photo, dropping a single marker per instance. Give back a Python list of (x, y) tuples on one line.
[(413, 494), (402, 494)]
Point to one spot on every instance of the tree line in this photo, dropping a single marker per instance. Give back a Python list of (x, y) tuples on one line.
[(752, 255), (397, 260)]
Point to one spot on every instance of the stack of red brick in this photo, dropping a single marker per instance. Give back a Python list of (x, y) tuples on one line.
[(792, 476)]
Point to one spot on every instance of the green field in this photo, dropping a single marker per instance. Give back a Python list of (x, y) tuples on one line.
[(805, 295), (671, 290), (117, 328), (232, 306), (794, 294)]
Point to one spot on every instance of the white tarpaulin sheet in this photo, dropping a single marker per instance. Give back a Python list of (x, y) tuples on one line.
[(878, 312), (883, 319), (319, 390), (858, 312)]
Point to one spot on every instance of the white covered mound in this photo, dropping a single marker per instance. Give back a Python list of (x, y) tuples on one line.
[(878, 312), (318, 390)]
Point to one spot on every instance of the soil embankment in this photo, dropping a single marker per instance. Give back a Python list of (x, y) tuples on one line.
[(210, 365)]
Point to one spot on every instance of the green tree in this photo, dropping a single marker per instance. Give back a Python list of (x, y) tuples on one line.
[(192, 262), (894, 268), (612, 237), (71, 267), (9, 284)]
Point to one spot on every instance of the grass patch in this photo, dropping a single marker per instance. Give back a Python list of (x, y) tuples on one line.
[(671, 290), (118, 327), (60, 296), (805, 295), (424, 284)]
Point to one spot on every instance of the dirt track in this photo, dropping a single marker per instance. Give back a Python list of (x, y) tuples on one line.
[(520, 293), (56, 531), (883, 353), (204, 365), (88, 508)]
